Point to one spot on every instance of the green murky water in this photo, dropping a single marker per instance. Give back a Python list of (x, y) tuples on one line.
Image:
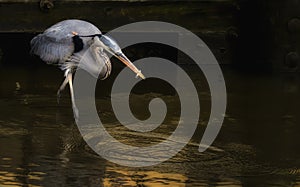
[(258, 145)]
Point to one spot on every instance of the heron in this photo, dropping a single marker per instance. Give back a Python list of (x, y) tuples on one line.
[(72, 44)]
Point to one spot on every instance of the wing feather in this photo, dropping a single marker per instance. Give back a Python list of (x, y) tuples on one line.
[(56, 44)]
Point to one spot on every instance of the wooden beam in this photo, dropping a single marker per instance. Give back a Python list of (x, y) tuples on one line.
[(198, 16)]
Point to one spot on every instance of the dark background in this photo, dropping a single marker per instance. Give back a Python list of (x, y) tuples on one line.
[(255, 35), (255, 41)]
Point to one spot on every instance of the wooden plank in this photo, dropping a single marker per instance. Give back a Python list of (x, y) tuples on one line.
[(197, 16), (208, 19), (30, 1)]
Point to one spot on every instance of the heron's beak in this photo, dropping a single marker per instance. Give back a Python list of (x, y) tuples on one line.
[(129, 64)]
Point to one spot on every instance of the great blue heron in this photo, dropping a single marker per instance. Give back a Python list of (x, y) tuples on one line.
[(76, 43)]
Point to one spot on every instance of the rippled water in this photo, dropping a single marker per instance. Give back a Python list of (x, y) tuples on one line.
[(258, 145)]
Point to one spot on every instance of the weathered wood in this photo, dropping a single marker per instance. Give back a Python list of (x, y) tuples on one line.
[(210, 19), (198, 16), (28, 1)]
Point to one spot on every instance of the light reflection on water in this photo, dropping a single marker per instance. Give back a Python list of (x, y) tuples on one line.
[(257, 146)]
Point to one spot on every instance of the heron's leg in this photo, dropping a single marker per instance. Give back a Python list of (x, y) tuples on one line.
[(75, 110), (61, 88)]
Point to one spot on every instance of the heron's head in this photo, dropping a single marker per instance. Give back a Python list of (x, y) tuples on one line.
[(111, 46)]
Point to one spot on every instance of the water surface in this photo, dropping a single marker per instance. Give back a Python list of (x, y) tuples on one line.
[(258, 144)]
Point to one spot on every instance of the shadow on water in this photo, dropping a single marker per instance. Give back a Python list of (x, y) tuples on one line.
[(41, 145)]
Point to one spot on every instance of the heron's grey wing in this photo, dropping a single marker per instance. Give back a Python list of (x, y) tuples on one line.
[(51, 49), (56, 43)]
